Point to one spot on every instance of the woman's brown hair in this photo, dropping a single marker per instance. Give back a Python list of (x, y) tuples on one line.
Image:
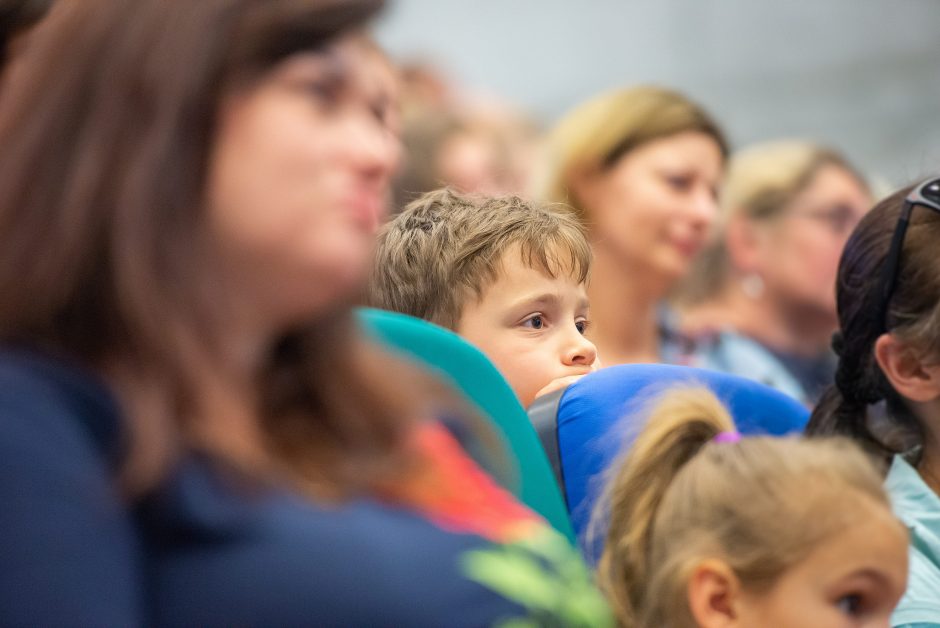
[(107, 123), (913, 315), (760, 505)]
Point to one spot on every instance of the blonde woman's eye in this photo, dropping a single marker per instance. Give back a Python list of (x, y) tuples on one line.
[(679, 183)]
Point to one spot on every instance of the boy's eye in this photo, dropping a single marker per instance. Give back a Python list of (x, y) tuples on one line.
[(535, 322), (582, 326), (850, 604)]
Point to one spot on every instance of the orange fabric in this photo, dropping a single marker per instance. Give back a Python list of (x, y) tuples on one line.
[(452, 491)]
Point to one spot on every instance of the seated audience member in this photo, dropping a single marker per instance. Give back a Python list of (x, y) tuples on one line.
[(642, 168), (471, 149), (506, 274), (761, 299), (708, 529), (193, 432), (887, 385)]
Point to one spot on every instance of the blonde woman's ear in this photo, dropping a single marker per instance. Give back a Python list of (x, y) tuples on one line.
[(714, 593)]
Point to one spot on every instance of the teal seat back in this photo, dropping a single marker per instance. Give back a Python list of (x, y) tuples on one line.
[(470, 372)]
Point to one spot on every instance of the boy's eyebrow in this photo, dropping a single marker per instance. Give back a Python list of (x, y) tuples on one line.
[(547, 298)]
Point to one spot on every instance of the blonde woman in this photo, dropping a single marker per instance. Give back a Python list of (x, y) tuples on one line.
[(761, 300), (642, 168)]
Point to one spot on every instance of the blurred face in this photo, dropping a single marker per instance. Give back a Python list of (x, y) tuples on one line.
[(467, 161), (653, 208), (299, 180), (531, 326), (800, 251), (852, 580)]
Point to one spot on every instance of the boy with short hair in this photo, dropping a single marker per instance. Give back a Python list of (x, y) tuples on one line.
[(506, 274)]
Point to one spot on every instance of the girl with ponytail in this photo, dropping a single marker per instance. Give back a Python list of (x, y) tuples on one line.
[(886, 394), (709, 529)]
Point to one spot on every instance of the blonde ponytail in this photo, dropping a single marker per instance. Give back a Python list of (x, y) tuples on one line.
[(678, 427)]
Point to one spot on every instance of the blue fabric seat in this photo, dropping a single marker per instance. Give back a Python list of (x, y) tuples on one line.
[(585, 427)]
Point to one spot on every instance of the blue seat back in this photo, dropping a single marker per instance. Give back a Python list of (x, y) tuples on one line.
[(599, 415)]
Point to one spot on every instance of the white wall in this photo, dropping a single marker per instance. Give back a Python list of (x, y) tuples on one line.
[(861, 75)]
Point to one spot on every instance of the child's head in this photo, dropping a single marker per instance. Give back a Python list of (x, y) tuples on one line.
[(506, 274), (759, 531)]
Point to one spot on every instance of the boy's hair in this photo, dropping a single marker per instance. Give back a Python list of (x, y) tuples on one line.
[(760, 504), (445, 248)]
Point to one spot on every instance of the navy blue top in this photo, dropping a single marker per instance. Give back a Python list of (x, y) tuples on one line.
[(206, 549)]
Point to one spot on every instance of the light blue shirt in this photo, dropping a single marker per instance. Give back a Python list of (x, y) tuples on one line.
[(919, 508)]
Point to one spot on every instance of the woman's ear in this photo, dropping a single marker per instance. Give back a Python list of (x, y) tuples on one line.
[(906, 370), (714, 594), (743, 243), (583, 184)]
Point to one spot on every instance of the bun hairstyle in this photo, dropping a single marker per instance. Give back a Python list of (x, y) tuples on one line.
[(679, 497), (913, 315)]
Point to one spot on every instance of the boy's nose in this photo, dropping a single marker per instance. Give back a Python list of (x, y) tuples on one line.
[(581, 351)]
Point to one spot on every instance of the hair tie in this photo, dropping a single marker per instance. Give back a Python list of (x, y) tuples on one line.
[(727, 437)]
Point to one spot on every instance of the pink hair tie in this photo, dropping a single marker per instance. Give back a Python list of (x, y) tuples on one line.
[(727, 437)]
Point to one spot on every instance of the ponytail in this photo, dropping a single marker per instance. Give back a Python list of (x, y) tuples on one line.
[(679, 426)]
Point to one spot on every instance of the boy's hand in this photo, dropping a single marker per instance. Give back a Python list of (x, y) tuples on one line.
[(558, 384), (564, 382)]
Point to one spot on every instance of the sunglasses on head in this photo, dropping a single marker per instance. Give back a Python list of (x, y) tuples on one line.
[(926, 194)]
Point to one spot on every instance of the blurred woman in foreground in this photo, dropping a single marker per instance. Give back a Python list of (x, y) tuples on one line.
[(192, 430)]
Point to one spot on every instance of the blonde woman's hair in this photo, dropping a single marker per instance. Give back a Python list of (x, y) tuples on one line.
[(446, 248), (596, 134), (761, 183), (760, 505)]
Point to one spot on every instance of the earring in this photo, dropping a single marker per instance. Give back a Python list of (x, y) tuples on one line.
[(752, 285)]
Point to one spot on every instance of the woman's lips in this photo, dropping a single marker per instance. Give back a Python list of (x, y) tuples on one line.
[(367, 210), (688, 247)]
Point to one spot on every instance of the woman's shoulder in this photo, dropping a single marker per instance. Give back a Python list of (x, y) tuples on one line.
[(42, 395), (916, 504), (70, 551), (726, 350), (920, 605)]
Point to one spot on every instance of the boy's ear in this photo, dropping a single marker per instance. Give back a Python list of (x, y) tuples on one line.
[(714, 594), (905, 369)]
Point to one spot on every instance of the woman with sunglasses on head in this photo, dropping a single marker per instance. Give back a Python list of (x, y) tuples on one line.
[(192, 431), (760, 299), (887, 386)]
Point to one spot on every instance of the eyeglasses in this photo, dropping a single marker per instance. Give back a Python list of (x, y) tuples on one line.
[(927, 194), (839, 219)]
